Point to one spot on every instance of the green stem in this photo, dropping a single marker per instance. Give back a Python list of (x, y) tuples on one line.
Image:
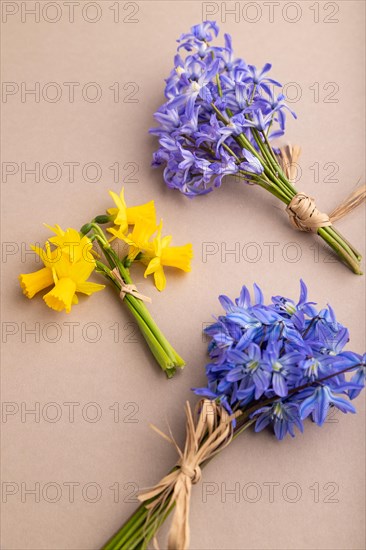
[(274, 180), (128, 527), (162, 350), (141, 527)]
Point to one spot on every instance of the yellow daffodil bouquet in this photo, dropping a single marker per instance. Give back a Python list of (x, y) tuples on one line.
[(71, 256)]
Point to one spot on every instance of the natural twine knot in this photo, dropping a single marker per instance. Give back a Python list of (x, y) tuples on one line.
[(208, 431), (304, 215), (302, 210), (194, 474), (128, 288)]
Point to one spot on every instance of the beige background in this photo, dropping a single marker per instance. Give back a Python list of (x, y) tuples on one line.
[(325, 468)]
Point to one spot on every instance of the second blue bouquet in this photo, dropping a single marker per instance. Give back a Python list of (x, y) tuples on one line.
[(272, 365)]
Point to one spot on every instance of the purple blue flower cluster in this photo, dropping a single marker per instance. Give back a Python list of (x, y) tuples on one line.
[(212, 99), (282, 362)]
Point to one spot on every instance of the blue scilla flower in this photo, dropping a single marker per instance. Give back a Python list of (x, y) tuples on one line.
[(356, 363), (259, 78), (259, 121), (318, 403), (203, 32), (280, 362), (331, 342), (288, 308), (228, 60), (195, 88), (251, 163), (283, 368), (248, 366), (282, 416), (226, 166), (324, 319), (276, 104)]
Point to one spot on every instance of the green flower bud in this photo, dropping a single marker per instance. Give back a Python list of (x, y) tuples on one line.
[(86, 228), (103, 218)]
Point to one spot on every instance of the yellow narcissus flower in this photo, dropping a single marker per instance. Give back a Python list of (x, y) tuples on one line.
[(139, 238), (169, 256), (71, 243), (124, 216), (68, 267)]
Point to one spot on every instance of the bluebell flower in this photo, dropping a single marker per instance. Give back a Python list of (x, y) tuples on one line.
[(250, 325), (325, 318), (283, 367), (357, 363), (259, 78), (284, 361), (282, 416), (288, 308), (258, 120), (251, 164), (196, 88), (226, 166), (276, 106), (248, 365), (209, 133), (318, 403), (206, 78), (234, 128), (245, 301), (203, 32), (169, 120), (331, 342)]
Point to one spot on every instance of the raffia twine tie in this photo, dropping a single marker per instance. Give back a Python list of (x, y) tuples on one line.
[(304, 215), (208, 431), (302, 211), (128, 288)]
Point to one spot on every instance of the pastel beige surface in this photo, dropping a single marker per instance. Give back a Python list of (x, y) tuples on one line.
[(302, 493)]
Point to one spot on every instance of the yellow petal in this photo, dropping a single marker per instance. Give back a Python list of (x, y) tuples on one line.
[(154, 264), (61, 296), (71, 243), (144, 211), (158, 240), (55, 229), (178, 256), (89, 288), (147, 255), (112, 211), (117, 232), (119, 200), (142, 232), (48, 256), (160, 279), (121, 215), (81, 270), (138, 239), (165, 241), (31, 283)]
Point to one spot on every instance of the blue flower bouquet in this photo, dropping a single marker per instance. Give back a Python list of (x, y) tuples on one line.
[(271, 366), (219, 119)]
